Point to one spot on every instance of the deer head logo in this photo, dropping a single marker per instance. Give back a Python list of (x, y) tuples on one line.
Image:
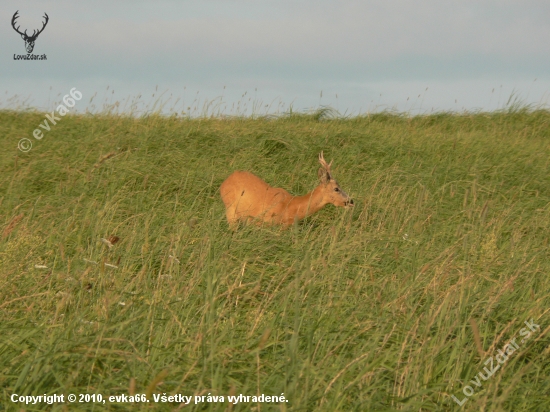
[(29, 40)]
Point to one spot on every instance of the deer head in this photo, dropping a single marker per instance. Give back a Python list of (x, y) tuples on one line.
[(29, 40), (332, 193)]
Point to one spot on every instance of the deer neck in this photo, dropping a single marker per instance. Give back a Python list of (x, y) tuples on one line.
[(300, 207)]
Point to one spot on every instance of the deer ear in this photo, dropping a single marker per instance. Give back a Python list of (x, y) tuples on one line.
[(324, 177)]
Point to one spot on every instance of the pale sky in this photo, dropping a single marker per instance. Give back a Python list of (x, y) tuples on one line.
[(355, 56)]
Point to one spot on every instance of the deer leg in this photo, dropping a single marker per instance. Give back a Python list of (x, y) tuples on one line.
[(231, 218)]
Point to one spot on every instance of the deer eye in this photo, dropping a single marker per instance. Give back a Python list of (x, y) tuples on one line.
[(336, 189)]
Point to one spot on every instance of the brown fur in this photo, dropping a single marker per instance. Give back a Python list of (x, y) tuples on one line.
[(247, 197)]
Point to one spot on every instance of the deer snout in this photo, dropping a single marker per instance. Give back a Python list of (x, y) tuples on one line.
[(349, 203)]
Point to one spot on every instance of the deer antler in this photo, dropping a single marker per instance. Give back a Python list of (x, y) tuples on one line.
[(43, 26), (15, 16), (324, 163), (34, 33)]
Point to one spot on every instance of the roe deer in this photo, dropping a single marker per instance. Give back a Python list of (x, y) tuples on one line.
[(247, 197)]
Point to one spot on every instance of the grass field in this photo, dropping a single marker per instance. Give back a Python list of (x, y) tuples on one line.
[(395, 305)]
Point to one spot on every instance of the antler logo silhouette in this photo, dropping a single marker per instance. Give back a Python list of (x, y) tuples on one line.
[(29, 40)]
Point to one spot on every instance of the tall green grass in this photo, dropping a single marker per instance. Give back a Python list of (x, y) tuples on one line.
[(394, 305)]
